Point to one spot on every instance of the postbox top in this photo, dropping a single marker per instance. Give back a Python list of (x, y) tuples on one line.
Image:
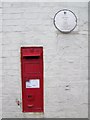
[(25, 47), (31, 54), (31, 51)]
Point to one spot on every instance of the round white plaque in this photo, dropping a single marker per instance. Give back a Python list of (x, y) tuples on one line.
[(65, 21)]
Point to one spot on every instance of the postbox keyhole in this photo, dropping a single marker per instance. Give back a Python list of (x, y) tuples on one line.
[(29, 96)]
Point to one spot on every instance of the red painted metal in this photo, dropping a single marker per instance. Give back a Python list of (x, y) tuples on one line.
[(32, 69)]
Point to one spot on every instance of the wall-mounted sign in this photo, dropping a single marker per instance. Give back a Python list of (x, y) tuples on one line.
[(65, 20)]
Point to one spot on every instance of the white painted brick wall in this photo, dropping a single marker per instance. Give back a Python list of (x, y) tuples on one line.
[(65, 58), (0, 60)]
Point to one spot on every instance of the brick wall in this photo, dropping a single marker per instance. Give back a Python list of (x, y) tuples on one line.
[(65, 58), (0, 60)]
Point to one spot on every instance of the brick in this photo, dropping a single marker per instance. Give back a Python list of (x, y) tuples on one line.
[(11, 22), (11, 28), (12, 10), (11, 16)]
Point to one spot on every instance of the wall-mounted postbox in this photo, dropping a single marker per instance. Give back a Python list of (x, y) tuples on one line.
[(32, 79)]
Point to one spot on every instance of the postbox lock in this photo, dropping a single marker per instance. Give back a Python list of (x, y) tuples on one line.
[(29, 96)]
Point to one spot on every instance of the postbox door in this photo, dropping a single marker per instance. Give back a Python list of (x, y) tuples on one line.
[(32, 79)]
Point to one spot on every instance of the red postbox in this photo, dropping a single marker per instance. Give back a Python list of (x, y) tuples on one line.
[(32, 79)]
